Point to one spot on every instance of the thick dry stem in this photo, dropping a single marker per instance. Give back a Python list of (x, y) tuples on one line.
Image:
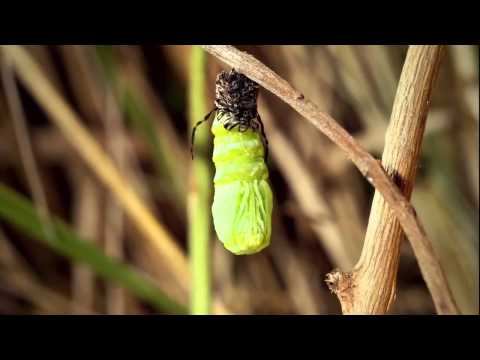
[(375, 274), (368, 166)]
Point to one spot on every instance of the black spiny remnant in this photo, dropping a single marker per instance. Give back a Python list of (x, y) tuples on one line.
[(236, 95), (236, 103)]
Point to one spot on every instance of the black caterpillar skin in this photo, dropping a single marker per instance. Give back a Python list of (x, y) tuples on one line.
[(236, 105), (235, 94)]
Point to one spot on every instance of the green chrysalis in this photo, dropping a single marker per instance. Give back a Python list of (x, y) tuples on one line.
[(243, 201)]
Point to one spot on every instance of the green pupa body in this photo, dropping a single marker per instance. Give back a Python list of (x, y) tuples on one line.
[(243, 201)]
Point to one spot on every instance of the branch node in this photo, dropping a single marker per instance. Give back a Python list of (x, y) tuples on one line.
[(342, 284), (339, 282)]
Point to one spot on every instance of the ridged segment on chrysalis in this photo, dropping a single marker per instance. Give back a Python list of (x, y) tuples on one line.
[(243, 201)]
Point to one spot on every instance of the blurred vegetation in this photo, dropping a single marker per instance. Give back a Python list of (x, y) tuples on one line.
[(139, 103)]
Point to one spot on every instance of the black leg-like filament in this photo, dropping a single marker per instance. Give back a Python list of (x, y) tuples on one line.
[(264, 136), (195, 128)]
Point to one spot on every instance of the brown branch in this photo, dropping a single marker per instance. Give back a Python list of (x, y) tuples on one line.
[(374, 277), (368, 166)]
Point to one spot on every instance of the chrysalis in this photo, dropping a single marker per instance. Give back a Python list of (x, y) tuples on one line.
[(243, 201)]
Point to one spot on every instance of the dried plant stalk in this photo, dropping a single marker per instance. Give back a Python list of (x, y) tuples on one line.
[(370, 287), (114, 215), (86, 215)]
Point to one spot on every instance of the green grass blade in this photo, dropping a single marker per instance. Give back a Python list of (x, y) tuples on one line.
[(199, 213), (18, 211)]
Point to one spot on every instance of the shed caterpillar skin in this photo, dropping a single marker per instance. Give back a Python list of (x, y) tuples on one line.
[(243, 200)]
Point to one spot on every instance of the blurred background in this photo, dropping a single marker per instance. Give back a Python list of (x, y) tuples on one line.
[(113, 216)]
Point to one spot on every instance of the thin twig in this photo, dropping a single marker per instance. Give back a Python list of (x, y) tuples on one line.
[(367, 164)]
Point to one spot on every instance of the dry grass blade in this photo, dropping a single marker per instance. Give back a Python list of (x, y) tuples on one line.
[(367, 164), (18, 211), (23, 141), (86, 219), (114, 224), (69, 123), (310, 198), (17, 275)]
